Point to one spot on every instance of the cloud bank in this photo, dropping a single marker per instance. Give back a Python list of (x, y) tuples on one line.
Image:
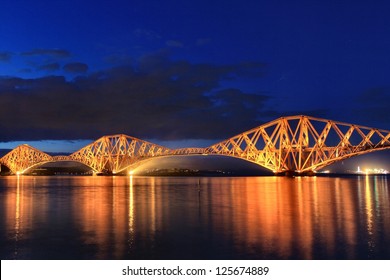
[(59, 53), (155, 98)]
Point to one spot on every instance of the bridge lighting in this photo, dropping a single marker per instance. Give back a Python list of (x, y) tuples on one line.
[(131, 172), (18, 173)]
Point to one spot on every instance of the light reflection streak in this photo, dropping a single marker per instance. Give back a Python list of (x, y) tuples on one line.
[(17, 216), (375, 201), (131, 213), (368, 200), (371, 244), (300, 199), (153, 206), (383, 190), (315, 203)]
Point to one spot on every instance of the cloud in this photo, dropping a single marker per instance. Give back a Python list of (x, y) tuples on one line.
[(76, 67), (174, 44), (49, 67), (5, 56), (158, 98), (59, 53)]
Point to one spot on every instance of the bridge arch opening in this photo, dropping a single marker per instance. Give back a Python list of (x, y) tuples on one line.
[(213, 165)]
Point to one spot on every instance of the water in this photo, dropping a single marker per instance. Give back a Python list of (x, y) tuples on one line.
[(194, 218)]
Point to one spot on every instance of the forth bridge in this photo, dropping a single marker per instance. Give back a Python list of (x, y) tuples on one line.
[(288, 145)]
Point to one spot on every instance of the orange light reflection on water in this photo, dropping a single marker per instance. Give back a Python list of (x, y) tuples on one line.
[(271, 217)]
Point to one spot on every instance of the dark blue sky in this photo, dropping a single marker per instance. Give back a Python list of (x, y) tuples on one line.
[(185, 73)]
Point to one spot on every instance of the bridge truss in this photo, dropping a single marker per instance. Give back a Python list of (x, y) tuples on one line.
[(302, 144), (23, 158), (113, 154), (295, 144), (109, 154)]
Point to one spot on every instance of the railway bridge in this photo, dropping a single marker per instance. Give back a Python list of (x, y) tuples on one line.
[(293, 144)]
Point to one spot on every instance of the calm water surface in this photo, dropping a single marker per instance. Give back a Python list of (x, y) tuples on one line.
[(194, 218)]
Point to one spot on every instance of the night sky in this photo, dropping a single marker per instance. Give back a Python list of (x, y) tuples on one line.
[(186, 73)]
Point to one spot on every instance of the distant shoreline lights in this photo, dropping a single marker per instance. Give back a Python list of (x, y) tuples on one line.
[(372, 171)]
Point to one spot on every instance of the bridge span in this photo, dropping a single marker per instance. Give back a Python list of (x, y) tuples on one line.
[(294, 144)]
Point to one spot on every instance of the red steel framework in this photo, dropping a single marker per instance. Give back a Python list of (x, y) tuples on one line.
[(295, 144)]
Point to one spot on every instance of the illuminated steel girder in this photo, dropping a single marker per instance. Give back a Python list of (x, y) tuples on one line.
[(296, 144), (302, 144), (188, 151)]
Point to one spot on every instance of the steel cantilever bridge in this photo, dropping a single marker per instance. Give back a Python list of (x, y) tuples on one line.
[(294, 144)]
